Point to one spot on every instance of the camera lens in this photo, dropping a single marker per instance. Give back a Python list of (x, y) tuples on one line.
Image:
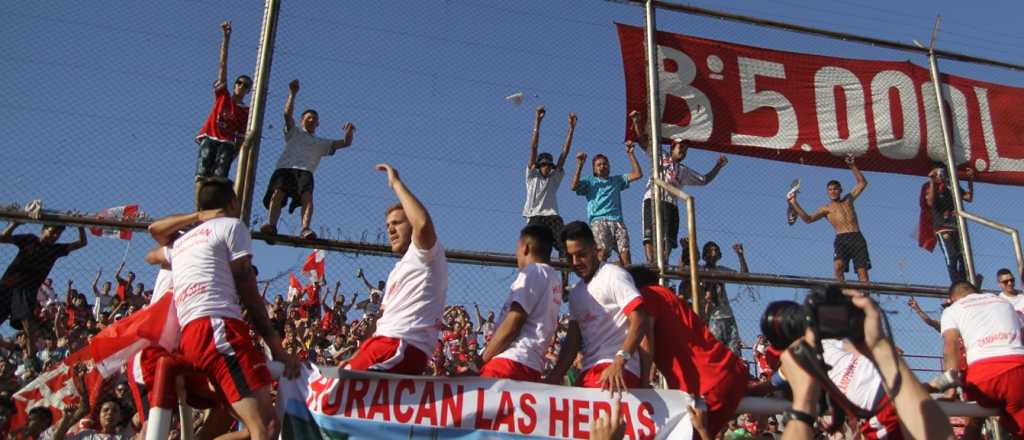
[(783, 322)]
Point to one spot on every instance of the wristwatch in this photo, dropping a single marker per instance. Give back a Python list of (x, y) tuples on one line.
[(800, 416), (624, 355)]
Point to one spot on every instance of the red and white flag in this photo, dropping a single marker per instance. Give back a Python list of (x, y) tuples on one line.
[(106, 355), (294, 288), (314, 266), (126, 212)]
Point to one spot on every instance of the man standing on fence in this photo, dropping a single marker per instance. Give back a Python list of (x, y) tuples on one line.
[(607, 319), (212, 276), (849, 243), (939, 205), (293, 178), (416, 290), (604, 203), (221, 136), (543, 177), (530, 314), (20, 284), (995, 354)]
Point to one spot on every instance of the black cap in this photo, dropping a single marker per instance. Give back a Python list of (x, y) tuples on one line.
[(545, 158)]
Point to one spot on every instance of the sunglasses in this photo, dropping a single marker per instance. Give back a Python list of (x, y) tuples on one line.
[(1007, 281)]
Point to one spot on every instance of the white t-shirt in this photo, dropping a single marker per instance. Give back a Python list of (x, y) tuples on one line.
[(852, 373), (600, 308), (163, 284), (1018, 304), (675, 174), (988, 325), (302, 151), (541, 192), (414, 300), (538, 290), (201, 268), (46, 296)]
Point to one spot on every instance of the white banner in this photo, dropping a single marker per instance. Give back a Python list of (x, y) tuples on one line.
[(358, 405)]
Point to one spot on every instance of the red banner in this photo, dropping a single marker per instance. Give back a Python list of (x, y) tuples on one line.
[(816, 110)]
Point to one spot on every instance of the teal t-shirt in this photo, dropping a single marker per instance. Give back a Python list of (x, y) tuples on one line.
[(604, 200)]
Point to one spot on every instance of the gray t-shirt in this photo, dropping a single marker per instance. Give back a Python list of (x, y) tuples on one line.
[(720, 307), (541, 192)]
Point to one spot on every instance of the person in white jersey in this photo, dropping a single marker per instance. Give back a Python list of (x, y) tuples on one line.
[(213, 279), (606, 318), (529, 317), (1008, 291), (859, 381), (543, 177), (415, 293), (293, 176), (991, 336)]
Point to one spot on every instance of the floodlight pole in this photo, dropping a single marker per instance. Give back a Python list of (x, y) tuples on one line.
[(654, 143)]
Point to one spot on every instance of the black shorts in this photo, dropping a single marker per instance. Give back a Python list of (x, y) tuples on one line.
[(293, 182), (669, 222), (852, 246), (17, 304), (553, 222), (215, 157)]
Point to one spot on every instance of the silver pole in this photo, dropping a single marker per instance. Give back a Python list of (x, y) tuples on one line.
[(965, 239), (654, 143), (250, 151)]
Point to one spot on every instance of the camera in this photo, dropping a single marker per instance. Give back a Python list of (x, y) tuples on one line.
[(829, 313)]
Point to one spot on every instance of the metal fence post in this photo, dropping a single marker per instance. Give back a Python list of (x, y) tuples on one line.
[(654, 144)]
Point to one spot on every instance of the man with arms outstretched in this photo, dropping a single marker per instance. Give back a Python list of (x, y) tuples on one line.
[(607, 319), (849, 243), (604, 203), (212, 275), (221, 136), (416, 290), (530, 315), (543, 177), (293, 178)]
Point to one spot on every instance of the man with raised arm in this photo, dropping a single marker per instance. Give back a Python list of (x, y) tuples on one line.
[(607, 321), (221, 136), (416, 290), (543, 177), (674, 173), (213, 279), (529, 317), (293, 178), (604, 203), (940, 207), (849, 243)]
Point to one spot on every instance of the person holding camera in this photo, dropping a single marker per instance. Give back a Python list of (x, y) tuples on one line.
[(919, 416), (991, 336)]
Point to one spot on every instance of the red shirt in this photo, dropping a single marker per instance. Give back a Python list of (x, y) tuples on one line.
[(685, 351), (227, 121)]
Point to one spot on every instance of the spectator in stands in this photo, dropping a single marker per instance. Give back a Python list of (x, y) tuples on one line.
[(1008, 291), (293, 176), (103, 296), (849, 242), (674, 173), (604, 203), (47, 296), (607, 318), (716, 306), (124, 285), (406, 332), (20, 284), (938, 199), (682, 348), (991, 336), (543, 177), (371, 306), (530, 314), (222, 134), (485, 326)]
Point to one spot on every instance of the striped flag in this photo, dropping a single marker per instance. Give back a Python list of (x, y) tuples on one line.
[(126, 212), (314, 266), (294, 288)]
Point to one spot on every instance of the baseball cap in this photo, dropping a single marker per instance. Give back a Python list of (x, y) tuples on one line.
[(545, 158)]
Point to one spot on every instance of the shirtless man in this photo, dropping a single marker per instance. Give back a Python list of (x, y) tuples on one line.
[(849, 243)]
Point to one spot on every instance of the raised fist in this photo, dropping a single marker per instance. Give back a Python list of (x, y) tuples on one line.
[(349, 127), (540, 112), (581, 156), (572, 119), (722, 160), (849, 159), (738, 247), (294, 86), (225, 27)]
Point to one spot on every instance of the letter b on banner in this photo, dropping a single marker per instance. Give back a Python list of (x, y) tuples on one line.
[(680, 84)]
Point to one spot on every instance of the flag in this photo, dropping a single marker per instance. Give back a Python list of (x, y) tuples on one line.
[(105, 356), (314, 266), (925, 231), (294, 288), (126, 212)]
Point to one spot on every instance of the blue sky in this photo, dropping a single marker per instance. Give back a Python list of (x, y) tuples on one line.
[(101, 103)]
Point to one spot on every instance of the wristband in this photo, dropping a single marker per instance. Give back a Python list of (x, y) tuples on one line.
[(800, 416)]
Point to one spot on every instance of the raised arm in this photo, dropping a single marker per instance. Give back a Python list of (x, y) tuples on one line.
[(636, 173), (480, 316), (921, 314), (861, 182), (506, 331), (580, 158), (289, 105), (250, 299), (567, 354), (742, 256), (95, 281), (968, 195), (568, 142), (120, 267), (346, 141), (535, 137), (722, 161), (820, 214), (366, 282), (164, 230), (638, 130), (81, 242), (5, 237), (222, 65), (334, 295), (423, 235)]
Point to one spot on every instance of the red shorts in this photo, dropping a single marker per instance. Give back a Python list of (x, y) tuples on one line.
[(996, 383), (223, 350), (723, 398), (592, 378), (390, 355), (141, 370), (501, 368), (884, 425)]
